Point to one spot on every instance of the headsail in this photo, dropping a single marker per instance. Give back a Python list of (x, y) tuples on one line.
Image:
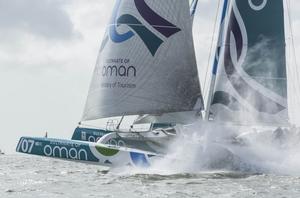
[(147, 62), (251, 85)]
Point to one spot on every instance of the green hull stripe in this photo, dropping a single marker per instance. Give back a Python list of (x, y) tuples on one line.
[(106, 151)]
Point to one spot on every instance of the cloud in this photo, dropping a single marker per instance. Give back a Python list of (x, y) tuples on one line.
[(41, 35), (46, 18)]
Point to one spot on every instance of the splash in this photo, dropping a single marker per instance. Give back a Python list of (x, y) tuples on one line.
[(210, 148)]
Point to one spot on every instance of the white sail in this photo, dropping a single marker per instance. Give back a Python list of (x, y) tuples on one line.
[(177, 117), (146, 63), (251, 85)]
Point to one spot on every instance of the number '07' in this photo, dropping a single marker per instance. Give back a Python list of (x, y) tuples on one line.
[(26, 146)]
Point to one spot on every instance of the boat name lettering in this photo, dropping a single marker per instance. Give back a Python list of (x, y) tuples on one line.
[(118, 70), (64, 152), (118, 60), (93, 139)]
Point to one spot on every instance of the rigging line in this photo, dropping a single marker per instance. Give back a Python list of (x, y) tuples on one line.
[(210, 50), (291, 74), (295, 75), (292, 41), (294, 100), (291, 85)]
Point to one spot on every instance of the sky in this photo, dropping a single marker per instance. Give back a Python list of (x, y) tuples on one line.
[(48, 49)]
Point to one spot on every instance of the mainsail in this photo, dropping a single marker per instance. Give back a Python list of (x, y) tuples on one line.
[(146, 63), (186, 117), (251, 85)]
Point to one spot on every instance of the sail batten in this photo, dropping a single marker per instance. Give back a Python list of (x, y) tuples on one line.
[(251, 84), (146, 63)]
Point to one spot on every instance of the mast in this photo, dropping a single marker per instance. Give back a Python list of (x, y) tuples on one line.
[(216, 59)]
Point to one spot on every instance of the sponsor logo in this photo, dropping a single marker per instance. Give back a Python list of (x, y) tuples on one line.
[(117, 68), (93, 139), (31, 147), (150, 39), (120, 70), (247, 88), (64, 152), (259, 7)]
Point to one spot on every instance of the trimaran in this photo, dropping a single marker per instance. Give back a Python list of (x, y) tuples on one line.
[(147, 68)]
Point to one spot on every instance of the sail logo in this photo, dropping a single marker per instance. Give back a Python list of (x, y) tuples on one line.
[(255, 94), (150, 39), (258, 7)]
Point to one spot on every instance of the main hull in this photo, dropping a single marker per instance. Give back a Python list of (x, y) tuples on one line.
[(86, 152), (93, 134), (89, 134)]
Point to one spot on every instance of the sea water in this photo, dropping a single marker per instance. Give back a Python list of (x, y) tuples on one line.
[(204, 162), (29, 176)]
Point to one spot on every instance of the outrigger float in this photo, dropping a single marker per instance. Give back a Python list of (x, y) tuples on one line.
[(87, 152)]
